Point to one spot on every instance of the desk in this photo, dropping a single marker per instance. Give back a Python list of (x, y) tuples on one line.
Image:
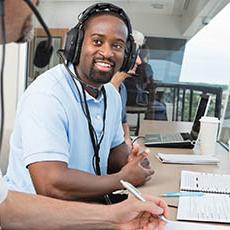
[(167, 176)]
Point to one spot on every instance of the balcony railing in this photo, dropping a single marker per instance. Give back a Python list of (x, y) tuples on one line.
[(183, 100)]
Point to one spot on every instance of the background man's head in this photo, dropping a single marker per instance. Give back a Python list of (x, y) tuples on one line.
[(18, 21)]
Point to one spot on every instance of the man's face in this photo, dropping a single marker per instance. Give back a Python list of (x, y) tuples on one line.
[(18, 21), (103, 49)]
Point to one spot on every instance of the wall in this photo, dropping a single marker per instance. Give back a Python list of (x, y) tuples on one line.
[(14, 83)]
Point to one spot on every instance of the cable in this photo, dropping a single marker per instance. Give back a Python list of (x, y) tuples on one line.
[(136, 138), (3, 33), (96, 144), (38, 16)]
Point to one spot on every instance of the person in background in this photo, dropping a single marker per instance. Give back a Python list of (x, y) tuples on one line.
[(117, 81), (144, 70), (25, 211)]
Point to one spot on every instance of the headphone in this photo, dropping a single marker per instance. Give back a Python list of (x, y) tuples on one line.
[(74, 39), (44, 49)]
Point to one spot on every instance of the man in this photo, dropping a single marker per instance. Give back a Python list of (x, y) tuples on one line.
[(75, 117), (117, 81), (24, 211)]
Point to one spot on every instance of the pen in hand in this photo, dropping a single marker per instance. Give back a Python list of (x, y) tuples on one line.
[(138, 195)]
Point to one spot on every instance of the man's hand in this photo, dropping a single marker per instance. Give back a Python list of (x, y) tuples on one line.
[(118, 78), (135, 152), (134, 172), (133, 214)]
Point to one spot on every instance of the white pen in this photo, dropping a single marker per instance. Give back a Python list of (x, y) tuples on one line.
[(138, 195)]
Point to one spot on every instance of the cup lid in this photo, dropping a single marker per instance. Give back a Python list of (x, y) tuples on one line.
[(209, 119)]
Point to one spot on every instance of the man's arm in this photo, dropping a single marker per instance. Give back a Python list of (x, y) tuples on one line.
[(55, 179), (24, 211), (127, 135), (118, 158)]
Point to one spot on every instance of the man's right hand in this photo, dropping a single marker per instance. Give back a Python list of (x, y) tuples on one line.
[(134, 172)]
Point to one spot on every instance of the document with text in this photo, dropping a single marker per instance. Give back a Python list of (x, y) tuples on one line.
[(213, 206)]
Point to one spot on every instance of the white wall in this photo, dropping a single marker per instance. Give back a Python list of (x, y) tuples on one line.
[(14, 84)]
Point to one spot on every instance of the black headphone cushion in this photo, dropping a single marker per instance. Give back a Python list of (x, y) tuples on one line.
[(130, 55), (42, 54)]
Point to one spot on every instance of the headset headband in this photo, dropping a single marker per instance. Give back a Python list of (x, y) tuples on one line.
[(104, 7)]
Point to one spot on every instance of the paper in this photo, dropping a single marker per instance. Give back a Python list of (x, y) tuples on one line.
[(186, 159), (177, 225), (213, 206), (205, 182), (207, 208)]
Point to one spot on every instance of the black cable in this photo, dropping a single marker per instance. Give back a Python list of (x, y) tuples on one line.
[(96, 144), (41, 21), (3, 38), (136, 138)]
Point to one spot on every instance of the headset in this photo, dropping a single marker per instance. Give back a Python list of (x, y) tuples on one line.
[(44, 49), (75, 36)]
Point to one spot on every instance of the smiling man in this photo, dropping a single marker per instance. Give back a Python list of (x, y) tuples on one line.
[(68, 140)]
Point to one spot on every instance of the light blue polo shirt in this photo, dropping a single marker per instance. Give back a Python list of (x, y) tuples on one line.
[(3, 190), (123, 95), (51, 126)]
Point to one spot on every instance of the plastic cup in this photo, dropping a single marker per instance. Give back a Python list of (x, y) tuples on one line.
[(229, 145), (208, 135)]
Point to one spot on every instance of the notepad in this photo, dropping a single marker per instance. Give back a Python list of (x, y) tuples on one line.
[(205, 182), (186, 159), (214, 206)]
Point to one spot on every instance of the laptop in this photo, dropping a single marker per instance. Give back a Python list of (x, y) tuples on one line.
[(181, 140), (224, 133)]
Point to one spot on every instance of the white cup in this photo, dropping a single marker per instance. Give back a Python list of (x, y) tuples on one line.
[(229, 145), (208, 134)]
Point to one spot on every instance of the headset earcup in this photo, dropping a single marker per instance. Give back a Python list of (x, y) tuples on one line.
[(42, 54), (78, 46), (130, 55), (70, 44), (73, 43)]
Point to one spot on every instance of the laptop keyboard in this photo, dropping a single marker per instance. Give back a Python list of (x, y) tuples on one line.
[(168, 138)]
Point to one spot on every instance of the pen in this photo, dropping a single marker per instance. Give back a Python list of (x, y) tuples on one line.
[(178, 194), (138, 195)]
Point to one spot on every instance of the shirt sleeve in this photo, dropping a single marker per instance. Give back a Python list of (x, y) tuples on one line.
[(123, 95), (3, 189), (44, 129)]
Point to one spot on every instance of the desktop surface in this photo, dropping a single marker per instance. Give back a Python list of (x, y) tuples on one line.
[(167, 176)]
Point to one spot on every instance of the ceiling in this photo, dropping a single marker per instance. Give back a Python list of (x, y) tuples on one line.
[(164, 7), (167, 18)]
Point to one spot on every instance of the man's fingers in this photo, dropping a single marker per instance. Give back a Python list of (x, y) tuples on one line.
[(159, 202), (135, 149), (140, 157), (146, 163)]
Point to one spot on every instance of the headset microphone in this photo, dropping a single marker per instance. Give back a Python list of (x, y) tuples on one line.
[(44, 49)]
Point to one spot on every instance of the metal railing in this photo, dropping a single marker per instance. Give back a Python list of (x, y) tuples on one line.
[(183, 99)]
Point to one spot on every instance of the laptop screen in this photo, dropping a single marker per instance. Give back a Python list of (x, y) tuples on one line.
[(200, 112), (224, 135)]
